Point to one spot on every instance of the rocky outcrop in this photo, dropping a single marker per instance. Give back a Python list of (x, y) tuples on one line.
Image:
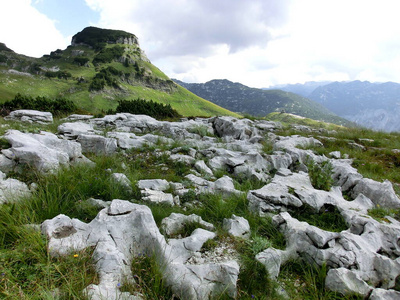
[(126, 230), (44, 151), (363, 258), (30, 116)]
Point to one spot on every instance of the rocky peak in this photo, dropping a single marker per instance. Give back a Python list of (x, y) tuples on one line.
[(96, 37)]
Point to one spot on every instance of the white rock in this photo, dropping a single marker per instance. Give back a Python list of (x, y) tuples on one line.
[(346, 282), (153, 184), (157, 197), (126, 230), (176, 222), (31, 116), (201, 166), (97, 144), (237, 226), (122, 180), (72, 130)]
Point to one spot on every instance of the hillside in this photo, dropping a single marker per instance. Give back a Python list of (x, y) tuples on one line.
[(98, 68), (258, 102), (130, 207)]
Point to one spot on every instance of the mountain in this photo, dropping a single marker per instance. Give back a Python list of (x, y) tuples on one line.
[(373, 105), (302, 89), (258, 102), (100, 67)]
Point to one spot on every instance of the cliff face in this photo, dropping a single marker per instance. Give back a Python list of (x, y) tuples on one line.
[(95, 37)]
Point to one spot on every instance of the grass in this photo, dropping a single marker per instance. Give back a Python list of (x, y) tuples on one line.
[(185, 102), (304, 281), (28, 272), (378, 161)]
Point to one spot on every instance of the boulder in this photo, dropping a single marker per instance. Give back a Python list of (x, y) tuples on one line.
[(44, 151), (153, 184), (126, 230), (237, 226), (346, 282), (121, 180), (97, 144), (240, 129), (201, 166), (380, 193), (12, 190), (157, 197), (176, 222), (72, 130), (30, 116)]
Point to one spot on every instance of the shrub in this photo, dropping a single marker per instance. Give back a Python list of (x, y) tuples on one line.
[(81, 61), (150, 108), (320, 175), (58, 74), (58, 106), (108, 54), (106, 77)]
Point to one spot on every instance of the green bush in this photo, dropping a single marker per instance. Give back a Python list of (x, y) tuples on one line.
[(58, 74), (58, 106), (81, 60), (320, 175), (108, 54), (98, 37), (106, 77), (150, 108)]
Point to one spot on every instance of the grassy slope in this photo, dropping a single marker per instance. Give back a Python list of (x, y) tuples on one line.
[(185, 102)]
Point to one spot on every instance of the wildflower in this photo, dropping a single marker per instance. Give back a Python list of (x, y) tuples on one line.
[(118, 285), (76, 255)]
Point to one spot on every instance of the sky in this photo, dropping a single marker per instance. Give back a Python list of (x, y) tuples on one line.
[(259, 43)]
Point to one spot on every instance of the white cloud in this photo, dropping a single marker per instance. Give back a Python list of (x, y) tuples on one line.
[(27, 31)]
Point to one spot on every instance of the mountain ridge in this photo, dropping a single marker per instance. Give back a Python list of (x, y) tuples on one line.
[(100, 67), (258, 102)]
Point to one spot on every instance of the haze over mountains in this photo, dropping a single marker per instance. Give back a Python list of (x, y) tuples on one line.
[(372, 105)]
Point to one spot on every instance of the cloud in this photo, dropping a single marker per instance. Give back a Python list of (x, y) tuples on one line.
[(27, 31), (190, 27)]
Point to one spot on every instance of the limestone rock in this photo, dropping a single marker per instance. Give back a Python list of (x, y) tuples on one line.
[(346, 282), (153, 184), (380, 193), (97, 144), (381, 294), (125, 230), (122, 180), (176, 222), (30, 116), (157, 197), (237, 226), (201, 166), (72, 130), (12, 190), (44, 151)]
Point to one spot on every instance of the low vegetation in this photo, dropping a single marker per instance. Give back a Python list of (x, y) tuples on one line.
[(58, 106), (143, 107), (27, 271)]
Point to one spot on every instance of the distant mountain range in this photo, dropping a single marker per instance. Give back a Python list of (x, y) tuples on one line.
[(258, 102), (372, 105)]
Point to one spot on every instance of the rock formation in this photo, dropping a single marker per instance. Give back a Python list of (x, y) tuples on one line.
[(362, 259)]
